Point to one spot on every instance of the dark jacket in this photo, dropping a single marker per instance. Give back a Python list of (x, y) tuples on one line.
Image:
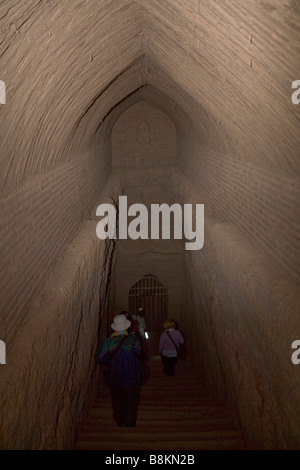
[(123, 370)]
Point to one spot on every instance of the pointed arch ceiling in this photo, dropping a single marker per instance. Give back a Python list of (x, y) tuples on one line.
[(224, 66)]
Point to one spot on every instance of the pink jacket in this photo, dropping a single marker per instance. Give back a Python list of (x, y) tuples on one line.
[(166, 344)]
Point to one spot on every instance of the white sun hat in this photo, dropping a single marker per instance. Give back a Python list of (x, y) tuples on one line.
[(120, 323)]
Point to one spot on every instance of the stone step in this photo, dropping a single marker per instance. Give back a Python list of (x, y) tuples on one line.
[(207, 444), (156, 427), (160, 413), (133, 434), (174, 413)]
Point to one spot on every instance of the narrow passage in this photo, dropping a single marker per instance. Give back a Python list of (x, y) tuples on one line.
[(175, 413)]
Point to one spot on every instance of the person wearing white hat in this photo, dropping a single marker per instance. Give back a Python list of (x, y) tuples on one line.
[(120, 324), (120, 355)]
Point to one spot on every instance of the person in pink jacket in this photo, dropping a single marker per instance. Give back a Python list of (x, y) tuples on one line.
[(167, 348)]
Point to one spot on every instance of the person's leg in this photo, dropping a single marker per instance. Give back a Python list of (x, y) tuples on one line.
[(118, 405), (131, 399), (172, 365), (169, 365), (165, 364)]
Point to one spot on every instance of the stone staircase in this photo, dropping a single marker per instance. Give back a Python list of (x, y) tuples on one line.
[(175, 413)]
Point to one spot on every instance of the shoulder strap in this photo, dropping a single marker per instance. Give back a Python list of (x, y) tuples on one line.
[(168, 333), (118, 347)]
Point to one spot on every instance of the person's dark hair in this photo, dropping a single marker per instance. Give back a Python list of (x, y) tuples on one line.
[(126, 313)]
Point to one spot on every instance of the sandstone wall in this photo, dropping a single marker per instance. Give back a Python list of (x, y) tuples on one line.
[(38, 221), (262, 203), (49, 380), (143, 137), (46, 383), (245, 311)]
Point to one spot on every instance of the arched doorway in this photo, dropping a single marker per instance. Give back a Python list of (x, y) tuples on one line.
[(152, 295)]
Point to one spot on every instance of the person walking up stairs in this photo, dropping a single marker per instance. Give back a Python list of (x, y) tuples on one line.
[(174, 413)]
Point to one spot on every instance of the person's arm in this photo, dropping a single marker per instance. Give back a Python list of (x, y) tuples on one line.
[(180, 338), (103, 353)]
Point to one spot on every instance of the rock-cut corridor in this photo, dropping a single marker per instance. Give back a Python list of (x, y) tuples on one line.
[(164, 102)]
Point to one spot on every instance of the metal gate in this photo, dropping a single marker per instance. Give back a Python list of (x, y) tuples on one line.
[(152, 295)]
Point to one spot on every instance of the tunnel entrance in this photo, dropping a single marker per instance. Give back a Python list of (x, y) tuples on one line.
[(152, 295)]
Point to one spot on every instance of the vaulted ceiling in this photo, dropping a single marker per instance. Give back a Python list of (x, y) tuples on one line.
[(221, 69)]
